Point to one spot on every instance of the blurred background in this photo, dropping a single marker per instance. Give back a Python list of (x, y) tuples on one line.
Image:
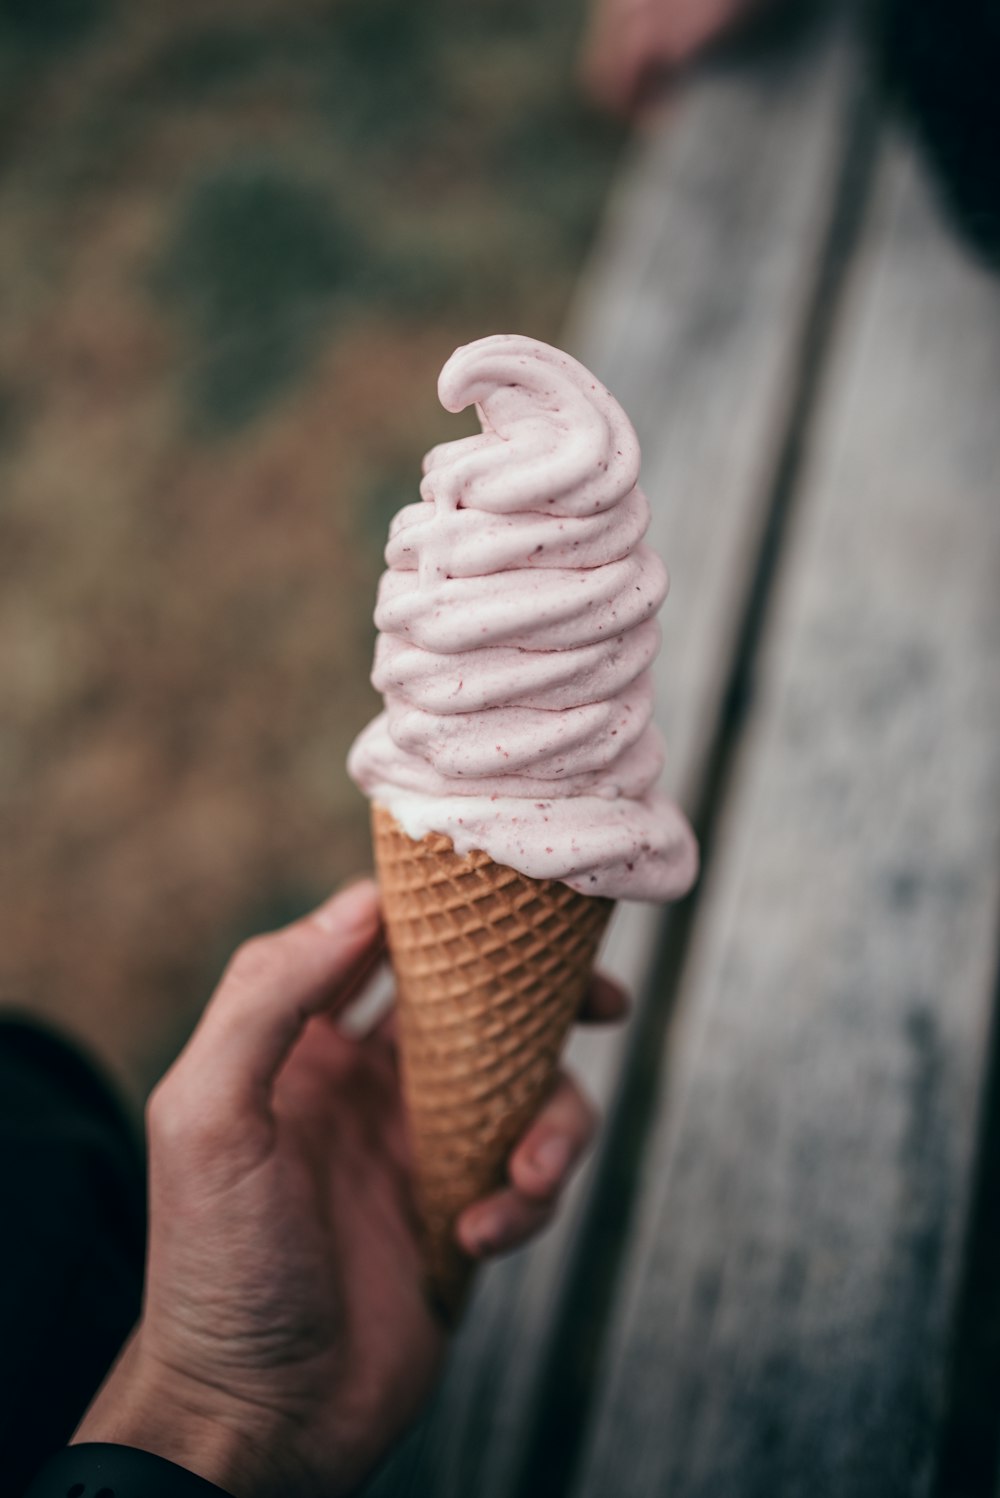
[(237, 241)]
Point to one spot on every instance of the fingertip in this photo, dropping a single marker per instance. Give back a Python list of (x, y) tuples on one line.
[(471, 1234), (539, 1168), (351, 910), (501, 1223), (523, 1175), (607, 1000)]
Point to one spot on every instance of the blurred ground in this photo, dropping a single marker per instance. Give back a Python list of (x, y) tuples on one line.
[(237, 241)]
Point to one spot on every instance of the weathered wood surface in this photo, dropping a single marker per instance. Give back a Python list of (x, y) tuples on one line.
[(692, 313), (786, 1306)]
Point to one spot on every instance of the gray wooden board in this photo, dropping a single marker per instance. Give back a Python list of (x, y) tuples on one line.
[(785, 1308), (691, 312)]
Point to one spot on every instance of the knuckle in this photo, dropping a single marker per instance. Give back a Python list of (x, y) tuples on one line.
[(255, 962), (179, 1120), (164, 1114)]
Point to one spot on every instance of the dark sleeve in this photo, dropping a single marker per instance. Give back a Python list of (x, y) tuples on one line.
[(71, 1242), (119, 1471), (941, 59)]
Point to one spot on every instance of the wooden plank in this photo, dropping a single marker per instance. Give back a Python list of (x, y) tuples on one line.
[(692, 312), (786, 1305)]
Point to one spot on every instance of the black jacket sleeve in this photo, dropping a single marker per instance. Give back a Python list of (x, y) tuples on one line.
[(121, 1471), (72, 1231)]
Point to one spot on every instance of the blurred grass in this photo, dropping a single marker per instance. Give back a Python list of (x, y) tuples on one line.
[(253, 264), (237, 241)]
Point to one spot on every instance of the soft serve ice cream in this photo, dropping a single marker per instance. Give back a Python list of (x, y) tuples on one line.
[(517, 624)]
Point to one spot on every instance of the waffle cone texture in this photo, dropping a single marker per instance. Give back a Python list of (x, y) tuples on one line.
[(491, 968)]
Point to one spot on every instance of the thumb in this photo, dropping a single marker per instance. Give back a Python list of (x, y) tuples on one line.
[(271, 989)]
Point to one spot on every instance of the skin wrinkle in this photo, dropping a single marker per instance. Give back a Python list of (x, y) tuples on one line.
[(285, 1339)]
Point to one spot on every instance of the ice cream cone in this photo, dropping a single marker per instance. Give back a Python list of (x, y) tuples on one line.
[(491, 967), (516, 634)]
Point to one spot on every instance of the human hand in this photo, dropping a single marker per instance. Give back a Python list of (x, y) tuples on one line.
[(285, 1340), (631, 46)]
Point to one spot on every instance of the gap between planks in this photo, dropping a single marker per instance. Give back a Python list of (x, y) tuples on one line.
[(787, 1305), (558, 1433)]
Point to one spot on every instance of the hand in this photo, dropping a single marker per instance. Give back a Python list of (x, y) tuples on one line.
[(285, 1340), (632, 45)]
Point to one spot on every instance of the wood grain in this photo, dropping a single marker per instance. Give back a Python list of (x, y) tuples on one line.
[(786, 1306), (692, 313)]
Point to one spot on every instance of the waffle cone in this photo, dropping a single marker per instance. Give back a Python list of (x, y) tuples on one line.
[(491, 968)]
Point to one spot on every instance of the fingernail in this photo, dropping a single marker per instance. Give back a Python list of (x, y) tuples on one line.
[(551, 1158), (488, 1233), (350, 908)]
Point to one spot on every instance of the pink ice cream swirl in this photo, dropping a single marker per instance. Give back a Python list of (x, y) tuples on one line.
[(517, 624)]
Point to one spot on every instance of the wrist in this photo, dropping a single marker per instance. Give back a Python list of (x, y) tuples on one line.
[(155, 1409)]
